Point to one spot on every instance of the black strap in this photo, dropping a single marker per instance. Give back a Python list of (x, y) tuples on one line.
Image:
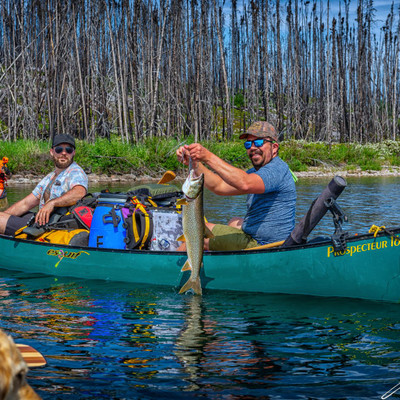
[(115, 219)]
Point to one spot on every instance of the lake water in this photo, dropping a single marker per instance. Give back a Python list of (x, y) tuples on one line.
[(107, 340)]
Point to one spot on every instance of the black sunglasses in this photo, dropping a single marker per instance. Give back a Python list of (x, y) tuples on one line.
[(59, 149), (257, 143)]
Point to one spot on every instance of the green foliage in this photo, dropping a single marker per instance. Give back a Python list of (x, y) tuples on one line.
[(369, 156), (297, 166), (27, 156), (370, 165), (238, 100)]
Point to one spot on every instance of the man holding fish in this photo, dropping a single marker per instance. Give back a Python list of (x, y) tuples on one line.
[(270, 187)]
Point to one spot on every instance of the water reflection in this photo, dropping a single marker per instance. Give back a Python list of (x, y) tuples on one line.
[(192, 340), (207, 347), (115, 340)]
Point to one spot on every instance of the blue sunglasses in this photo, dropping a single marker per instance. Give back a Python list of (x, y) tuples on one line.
[(257, 143)]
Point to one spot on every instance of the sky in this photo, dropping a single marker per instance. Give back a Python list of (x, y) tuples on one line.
[(382, 9)]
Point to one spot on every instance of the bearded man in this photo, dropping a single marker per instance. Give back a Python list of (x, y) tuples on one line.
[(269, 185), (62, 187)]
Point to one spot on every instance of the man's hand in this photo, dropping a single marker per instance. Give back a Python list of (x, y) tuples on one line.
[(198, 152), (66, 200), (183, 155), (43, 215)]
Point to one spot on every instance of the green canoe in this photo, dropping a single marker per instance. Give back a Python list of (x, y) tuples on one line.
[(368, 269)]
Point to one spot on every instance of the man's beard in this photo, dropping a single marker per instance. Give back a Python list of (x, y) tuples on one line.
[(257, 164), (63, 164)]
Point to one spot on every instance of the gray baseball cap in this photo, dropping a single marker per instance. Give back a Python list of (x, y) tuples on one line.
[(260, 129)]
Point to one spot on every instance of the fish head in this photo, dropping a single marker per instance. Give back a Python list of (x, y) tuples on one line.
[(193, 186)]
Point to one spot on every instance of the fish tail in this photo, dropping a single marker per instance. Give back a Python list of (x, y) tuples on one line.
[(192, 284)]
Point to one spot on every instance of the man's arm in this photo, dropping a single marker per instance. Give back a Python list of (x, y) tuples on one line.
[(67, 199), (227, 179), (21, 207)]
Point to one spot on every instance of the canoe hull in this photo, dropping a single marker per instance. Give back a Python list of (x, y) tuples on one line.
[(368, 269)]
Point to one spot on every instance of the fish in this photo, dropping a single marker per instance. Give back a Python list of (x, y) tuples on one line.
[(194, 229)]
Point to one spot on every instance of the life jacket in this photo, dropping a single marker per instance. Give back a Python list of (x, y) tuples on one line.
[(4, 171)]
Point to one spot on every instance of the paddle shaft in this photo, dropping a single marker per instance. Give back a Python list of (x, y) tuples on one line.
[(267, 246)]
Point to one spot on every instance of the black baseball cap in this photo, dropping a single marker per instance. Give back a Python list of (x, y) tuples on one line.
[(63, 138)]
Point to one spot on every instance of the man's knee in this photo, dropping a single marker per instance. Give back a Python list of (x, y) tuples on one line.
[(3, 221), (236, 222)]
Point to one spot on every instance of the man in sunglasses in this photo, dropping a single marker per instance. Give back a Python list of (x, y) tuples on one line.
[(270, 187), (62, 187)]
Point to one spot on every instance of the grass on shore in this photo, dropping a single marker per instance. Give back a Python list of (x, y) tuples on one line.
[(156, 155)]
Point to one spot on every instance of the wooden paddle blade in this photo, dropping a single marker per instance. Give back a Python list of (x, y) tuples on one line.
[(31, 356), (167, 177)]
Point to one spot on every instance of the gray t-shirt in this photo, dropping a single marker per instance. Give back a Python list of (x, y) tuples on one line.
[(270, 216)]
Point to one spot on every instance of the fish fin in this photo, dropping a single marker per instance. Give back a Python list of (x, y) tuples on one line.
[(186, 266), (181, 202), (190, 284), (181, 238), (207, 233)]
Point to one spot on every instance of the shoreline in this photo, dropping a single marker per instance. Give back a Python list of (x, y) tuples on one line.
[(311, 173)]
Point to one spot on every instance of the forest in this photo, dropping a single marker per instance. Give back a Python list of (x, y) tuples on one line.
[(138, 69)]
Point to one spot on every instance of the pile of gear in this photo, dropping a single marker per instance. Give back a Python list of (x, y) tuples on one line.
[(147, 217)]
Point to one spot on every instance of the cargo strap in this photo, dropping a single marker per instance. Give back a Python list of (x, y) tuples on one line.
[(376, 229), (139, 226)]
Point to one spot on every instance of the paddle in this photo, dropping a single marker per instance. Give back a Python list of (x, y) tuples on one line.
[(167, 177), (31, 356), (267, 246)]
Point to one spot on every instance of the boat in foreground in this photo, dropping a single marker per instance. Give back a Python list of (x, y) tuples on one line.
[(369, 268)]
